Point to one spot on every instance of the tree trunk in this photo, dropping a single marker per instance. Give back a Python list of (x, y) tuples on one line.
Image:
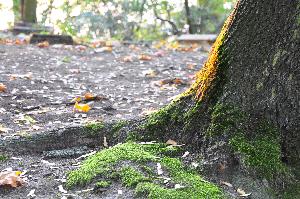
[(29, 11), (247, 95), (189, 20)]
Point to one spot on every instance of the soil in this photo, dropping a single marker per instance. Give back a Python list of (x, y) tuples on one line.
[(41, 83)]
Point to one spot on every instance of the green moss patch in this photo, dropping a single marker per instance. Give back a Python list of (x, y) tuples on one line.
[(130, 177), (94, 127), (103, 184), (135, 166), (257, 142)]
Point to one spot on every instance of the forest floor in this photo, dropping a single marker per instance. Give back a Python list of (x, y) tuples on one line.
[(41, 83)]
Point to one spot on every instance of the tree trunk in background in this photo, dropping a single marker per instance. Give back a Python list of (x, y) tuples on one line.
[(189, 20), (29, 12)]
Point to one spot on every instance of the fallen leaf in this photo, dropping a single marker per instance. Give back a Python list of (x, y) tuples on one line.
[(76, 99), (61, 189), (127, 59), (31, 194), (185, 154), (44, 44), (82, 107), (86, 155), (171, 142), (134, 47), (194, 164), (105, 144), (226, 183), (47, 163), (2, 88), (159, 170), (104, 49), (11, 179), (150, 73), (177, 81), (145, 57), (89, 96), (242, 193), (178, 186)]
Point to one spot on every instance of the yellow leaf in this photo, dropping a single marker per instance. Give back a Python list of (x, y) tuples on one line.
[(82, 107), (18, 173), (76, 99)]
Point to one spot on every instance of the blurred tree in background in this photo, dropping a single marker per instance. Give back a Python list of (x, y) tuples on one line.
[(128, 19)]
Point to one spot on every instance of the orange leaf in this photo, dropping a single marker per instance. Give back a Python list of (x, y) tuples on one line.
[(82, 107), (44, 44), (89, 96), (2, 88), (177, 81), (145, 57)]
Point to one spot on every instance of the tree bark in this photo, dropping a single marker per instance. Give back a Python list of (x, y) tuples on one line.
[(189, 20), (254, 65), (29, 11), (257, 67)]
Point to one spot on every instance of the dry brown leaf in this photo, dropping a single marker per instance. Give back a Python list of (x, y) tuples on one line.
[(144, 57), (134, 47), (12, 77), (107, 49), (177, 81), (151, 73), (2, 88), (171, 142), (226, 183), (242, 193), (127, 59), (11, 179), (44, 44)]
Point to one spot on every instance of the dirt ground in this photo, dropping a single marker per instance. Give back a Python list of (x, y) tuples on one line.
[(41, 83)]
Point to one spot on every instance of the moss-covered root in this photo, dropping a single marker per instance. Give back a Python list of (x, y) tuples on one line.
[(140, 172)]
